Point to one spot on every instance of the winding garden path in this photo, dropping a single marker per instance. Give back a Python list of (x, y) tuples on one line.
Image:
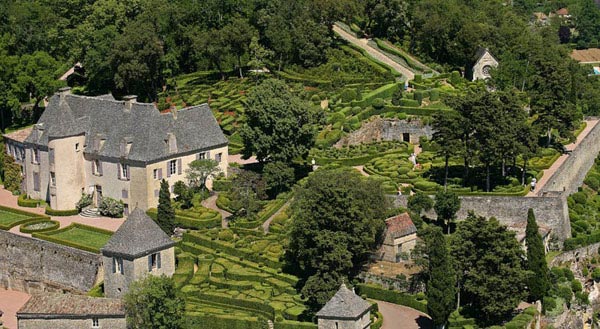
[(402, 317), (267, 223), (375, 53), (211, 203)]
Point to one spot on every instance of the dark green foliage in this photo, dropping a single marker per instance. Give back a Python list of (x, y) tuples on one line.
[(348, 95), (165, 214), (183, 194), (69, 212), (338, 221), (538, 281), (419, 202), (447, 204), (84, 201), (247, 189), (419, 97), (12, 174), (153, 302), (441, 287), (278, 176), (280, 126), (200, 171), (489, 264), (379, 293), (378, 103)]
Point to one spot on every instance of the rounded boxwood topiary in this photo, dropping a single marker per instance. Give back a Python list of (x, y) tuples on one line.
[(378, 103), (40, 225)]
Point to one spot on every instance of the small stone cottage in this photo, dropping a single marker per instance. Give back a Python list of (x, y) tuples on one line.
[(400, 238), (484, 62), (65, 311), (345, 310)]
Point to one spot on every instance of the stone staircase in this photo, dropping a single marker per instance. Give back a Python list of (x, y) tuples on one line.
[(90, 213)]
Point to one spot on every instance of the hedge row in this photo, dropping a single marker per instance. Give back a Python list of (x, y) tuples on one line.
[(49, 236), (378, 293), (52, 212), (185, 269), (257, 306), (273, 206), (379, 322), (287, 324), (24, 201), (196, 237), (221, 185), (32, 217), (189, 222), (367, 58), (357, 161), (55, 225), (409, 61), (206, 321), (383, 92), (582, 240)]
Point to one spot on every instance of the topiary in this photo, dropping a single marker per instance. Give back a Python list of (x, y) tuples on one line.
[(378, 103)]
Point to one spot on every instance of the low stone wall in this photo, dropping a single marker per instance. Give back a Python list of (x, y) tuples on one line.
[(387, 130), (574, 255), (551, 211), (572, 172), (33, 265)]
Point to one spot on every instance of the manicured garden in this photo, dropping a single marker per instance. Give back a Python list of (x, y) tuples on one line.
[(10, 217), (78, 236)]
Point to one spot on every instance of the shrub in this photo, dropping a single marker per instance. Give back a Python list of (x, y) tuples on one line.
[(455, 78), (434, 95), (111, 208), (348, 95), (378, 103), (377, 292), (69, 212), (226, 235), (25, 201), (596, 274), (548, 303), (419, 97), (579, 197), (84, 201), (39, 225), (576, 286), (418, 78), (593, 183)]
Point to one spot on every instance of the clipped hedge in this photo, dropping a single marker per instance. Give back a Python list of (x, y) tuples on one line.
[(31, 217), (221, 185), (24, 201), (205, 321), (383, 92), (185, 221), (257, 306), (52, 212), (49, 236), (377, 292), (54, 225), (398, 52), (287, 324)]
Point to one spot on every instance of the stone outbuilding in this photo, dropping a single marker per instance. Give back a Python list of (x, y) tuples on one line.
[(65, 311), (400, 238), (345, 310), (138, 248), (484, 62)]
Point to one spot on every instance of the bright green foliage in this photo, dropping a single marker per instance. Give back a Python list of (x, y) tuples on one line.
[(419, 202), (12, 174), (200, 170), (165, 213), (441, 287), (280, 126), (491, 276), (338, 220), (447, 204), (278, 176), (538, 281), (153, 303)]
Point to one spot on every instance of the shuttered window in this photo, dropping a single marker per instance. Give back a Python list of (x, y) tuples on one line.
[(124, 194), (36, 181)]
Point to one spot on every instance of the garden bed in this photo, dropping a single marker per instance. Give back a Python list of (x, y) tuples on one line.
[(10, 217), (78, 236)]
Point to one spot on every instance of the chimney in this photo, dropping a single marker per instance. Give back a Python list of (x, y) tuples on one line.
[(62, 92), (129, 100), (174, 112)]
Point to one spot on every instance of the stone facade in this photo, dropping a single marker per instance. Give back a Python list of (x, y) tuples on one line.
[(363, 322), (345, 310), (387, 130), (484, 63), (33, 265), (73, 323)]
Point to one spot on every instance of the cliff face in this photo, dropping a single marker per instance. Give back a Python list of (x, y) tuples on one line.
[(380, 129)]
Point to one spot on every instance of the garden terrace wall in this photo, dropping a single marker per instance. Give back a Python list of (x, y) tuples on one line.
[(32, 265), (551, 211)]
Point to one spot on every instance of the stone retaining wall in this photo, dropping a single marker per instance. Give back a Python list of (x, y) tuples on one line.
[(583, 252), (32, 265)]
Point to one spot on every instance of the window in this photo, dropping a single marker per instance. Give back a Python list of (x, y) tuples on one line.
[(51, 156), (218, 157), (52, 179), (126, 209), (36, 156), (123, 171), (124, 194), (153, 262), (97, 167), (36, 181), (95, 323), (77, 147), (172, 168), (157, 173), (118, 265), (202, 156)]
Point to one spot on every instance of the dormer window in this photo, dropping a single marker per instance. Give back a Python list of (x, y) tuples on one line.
[(97, 167), (35, 159), (125, 147), (123, 171)]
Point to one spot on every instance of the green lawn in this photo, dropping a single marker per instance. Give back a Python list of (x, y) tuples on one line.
[(78, 236), (12, 217)]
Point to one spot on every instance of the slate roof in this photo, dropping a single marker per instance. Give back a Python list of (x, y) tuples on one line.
[(480, 52), (138, 236), (397, 227), (19, 135), (195, 128), (345, 304), (53, 305)]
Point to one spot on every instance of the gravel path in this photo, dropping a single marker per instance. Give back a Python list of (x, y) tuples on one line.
[(211, 203), (267, 223), (402, 317), (375, 53), (237, 158), (10, 302)]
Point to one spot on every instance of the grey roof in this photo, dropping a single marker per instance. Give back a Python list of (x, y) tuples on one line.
[(138, 236), (53, 305), (345, 304), (480, 52), (195, 128)]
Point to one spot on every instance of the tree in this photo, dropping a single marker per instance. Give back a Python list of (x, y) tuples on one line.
[(279, 125), (278, 176), (12, 174), (165, 214), (448, 127), (441, 287), (258, 54), (538, 281), (419, 202), (36, 77), (153, 303), (200, 171), (184, 194), (447, 204), (239, 34), (247, 187), (338, 222), (489, 266)]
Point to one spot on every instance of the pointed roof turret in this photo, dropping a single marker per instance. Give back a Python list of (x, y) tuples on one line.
[(345, 304), (138, 236)]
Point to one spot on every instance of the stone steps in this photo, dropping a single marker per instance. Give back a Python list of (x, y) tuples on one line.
[(90, 213)]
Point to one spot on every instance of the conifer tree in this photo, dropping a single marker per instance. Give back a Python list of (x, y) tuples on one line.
[(538, 281), (166, 214), (441, 290)]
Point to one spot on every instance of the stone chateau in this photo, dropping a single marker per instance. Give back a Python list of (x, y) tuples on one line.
[(119, 149)]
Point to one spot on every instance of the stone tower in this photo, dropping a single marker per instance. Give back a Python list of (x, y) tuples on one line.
[(345, 310), (138, 248)]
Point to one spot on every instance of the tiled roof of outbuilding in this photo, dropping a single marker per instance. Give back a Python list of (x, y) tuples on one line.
[(138, 236), (52, 305), (397, 227), (195, 128), (345, 304)]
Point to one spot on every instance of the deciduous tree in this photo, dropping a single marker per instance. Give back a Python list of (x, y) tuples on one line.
[(200, 171), (153, 303), (447, 204)]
